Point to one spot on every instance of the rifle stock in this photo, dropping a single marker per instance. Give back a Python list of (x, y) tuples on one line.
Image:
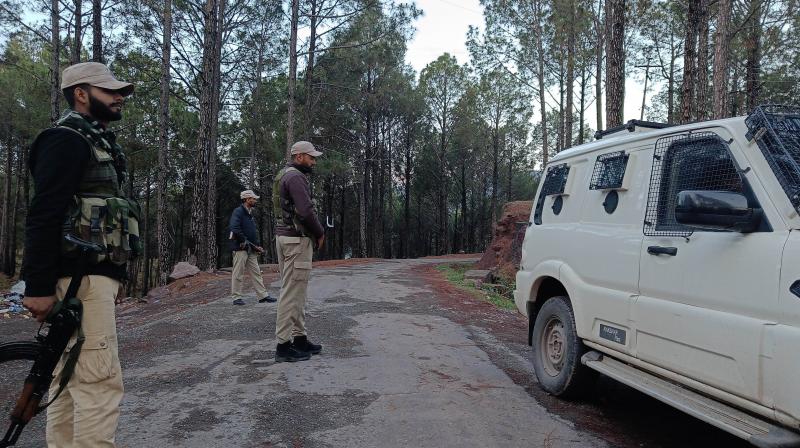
[(64, 322)]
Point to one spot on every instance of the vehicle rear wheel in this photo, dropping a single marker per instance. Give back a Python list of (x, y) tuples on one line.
[(558, 351)]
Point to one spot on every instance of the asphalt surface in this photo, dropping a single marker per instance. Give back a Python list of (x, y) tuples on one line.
[(407, 361)]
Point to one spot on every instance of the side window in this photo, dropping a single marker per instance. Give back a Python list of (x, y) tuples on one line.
[(699, 161), (555, 181), (609, 170)]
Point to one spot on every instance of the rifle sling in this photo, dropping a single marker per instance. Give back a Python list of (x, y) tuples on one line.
[(75, 351)]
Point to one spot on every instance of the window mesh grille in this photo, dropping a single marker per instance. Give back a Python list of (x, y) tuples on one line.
[(776, 130), (556, 179), (554, 183), (698, 161), (609, 170)]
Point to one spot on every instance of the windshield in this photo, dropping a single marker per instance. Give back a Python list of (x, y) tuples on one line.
[(776, 129)]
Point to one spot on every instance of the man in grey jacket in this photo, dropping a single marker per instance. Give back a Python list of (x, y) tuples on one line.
[(245, 244), (297, 231)]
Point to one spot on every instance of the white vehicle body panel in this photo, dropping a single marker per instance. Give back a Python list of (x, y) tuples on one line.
[(717, 313)]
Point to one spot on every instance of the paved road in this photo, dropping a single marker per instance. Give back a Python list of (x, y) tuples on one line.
[(407, 362)]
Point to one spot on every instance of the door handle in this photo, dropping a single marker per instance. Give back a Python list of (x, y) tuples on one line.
[(660, 250)]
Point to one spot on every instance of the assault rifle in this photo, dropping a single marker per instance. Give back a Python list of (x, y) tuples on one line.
[(249, 244), (64, 320)]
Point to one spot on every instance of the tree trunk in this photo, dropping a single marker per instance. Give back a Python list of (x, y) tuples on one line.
[(569, 106), (721, 45), (753, 50), (644, 90), (702, 61), (55, 66), (689, 63), (309, 81), (471, 229), (145, 228), (25, 173), (292, 78), (381, 227), (75, 55), (463, 230), (133, 267), (495, 167), (205, 138), (255, 110), (267, 224), (443, 224), (407, 188), (97, 31), (212, 165), (484, 221), (19, 206), (362, 206), (540, 77), (388, 231), (735, 101), (163, 150), (598, 60), (671, 83), (441, 236), (509, 147), (561, 115), (5, 220), (615, 61), (582, 110), (420, 234), (330, 197), (364, 185), (341, 218)]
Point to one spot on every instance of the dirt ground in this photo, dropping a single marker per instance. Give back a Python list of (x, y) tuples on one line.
[(503, 254), (616, 413)]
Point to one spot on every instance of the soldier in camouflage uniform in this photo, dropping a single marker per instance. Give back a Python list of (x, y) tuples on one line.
[(78, 169)]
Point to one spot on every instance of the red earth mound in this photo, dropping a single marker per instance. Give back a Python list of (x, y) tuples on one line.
[(503, 255)]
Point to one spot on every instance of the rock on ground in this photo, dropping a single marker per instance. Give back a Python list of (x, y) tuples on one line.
[(183, 270)]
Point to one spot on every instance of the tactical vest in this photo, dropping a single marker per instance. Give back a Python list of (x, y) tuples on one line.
[(99, 211), (283, 208)]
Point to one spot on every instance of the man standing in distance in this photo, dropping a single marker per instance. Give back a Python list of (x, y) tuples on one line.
[(78, 169), (246, 245), (297, 231)]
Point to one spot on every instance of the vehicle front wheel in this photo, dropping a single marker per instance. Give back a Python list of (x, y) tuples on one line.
[(558, 350)]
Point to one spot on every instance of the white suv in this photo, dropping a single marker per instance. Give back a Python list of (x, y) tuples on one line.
[(668, 258)]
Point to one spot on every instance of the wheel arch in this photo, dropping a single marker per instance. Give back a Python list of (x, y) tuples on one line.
[(543, 289)]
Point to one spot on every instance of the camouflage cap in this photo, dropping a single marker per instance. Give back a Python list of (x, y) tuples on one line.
[(94, 74)]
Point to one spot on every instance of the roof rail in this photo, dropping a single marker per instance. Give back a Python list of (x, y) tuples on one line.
[(631, 126)]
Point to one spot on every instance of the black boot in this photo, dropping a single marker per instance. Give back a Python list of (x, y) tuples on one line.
[(267, 299), (304, 345), (286, 353)]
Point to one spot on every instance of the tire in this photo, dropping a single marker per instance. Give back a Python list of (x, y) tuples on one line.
[(557, 351), (19, 351)]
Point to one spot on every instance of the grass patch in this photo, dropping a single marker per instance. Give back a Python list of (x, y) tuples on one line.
[(499, 294)]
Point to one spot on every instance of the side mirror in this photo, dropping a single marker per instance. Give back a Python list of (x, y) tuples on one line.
[(717, 210)]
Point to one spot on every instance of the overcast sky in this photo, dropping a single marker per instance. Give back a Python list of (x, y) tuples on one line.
[(443, 29)]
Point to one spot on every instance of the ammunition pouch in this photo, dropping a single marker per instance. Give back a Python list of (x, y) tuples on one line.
[(113, 223)]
